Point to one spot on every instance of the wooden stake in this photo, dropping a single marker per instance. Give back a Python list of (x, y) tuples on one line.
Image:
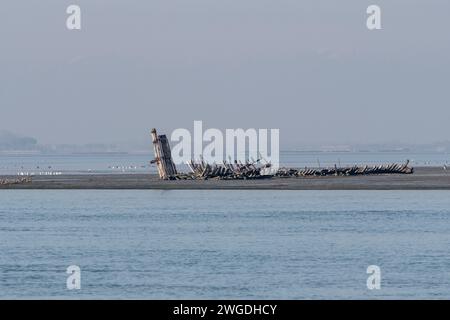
[(163, 156)]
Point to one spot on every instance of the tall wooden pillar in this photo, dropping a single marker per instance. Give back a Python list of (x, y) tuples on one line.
[(163, 156)]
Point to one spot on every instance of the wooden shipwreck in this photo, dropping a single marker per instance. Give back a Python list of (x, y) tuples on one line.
[(259, 169), (393, 168), (7, 182), (200, 170), (163, 156)]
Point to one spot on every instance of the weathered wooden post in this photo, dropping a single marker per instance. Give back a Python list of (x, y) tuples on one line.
[(163, 156)]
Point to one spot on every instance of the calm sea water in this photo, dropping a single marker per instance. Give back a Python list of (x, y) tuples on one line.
[(139, 163), (225, 244)]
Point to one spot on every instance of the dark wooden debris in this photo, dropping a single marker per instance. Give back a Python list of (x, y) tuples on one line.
[(200, 170), (347, 171), (5, 182), (259, 169), (226, 171)]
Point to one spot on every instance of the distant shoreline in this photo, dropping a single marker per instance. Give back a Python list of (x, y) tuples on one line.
[(424, 178)]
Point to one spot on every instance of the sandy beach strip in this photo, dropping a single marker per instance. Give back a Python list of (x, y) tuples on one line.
[(424, 178)]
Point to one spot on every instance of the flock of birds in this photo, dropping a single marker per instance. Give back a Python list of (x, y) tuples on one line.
[(126, 168), (48, 170), (41, 173)]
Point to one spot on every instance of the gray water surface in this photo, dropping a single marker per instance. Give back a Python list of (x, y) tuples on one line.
[(225, 244)]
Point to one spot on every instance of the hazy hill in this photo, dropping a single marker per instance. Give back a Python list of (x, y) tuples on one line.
[(11, 141)]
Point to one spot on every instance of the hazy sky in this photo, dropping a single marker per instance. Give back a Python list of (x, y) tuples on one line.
[(308, 67)]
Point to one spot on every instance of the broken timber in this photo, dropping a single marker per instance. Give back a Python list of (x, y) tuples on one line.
[(348, 171), (163, 156), (6, 182), (227, 171)]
